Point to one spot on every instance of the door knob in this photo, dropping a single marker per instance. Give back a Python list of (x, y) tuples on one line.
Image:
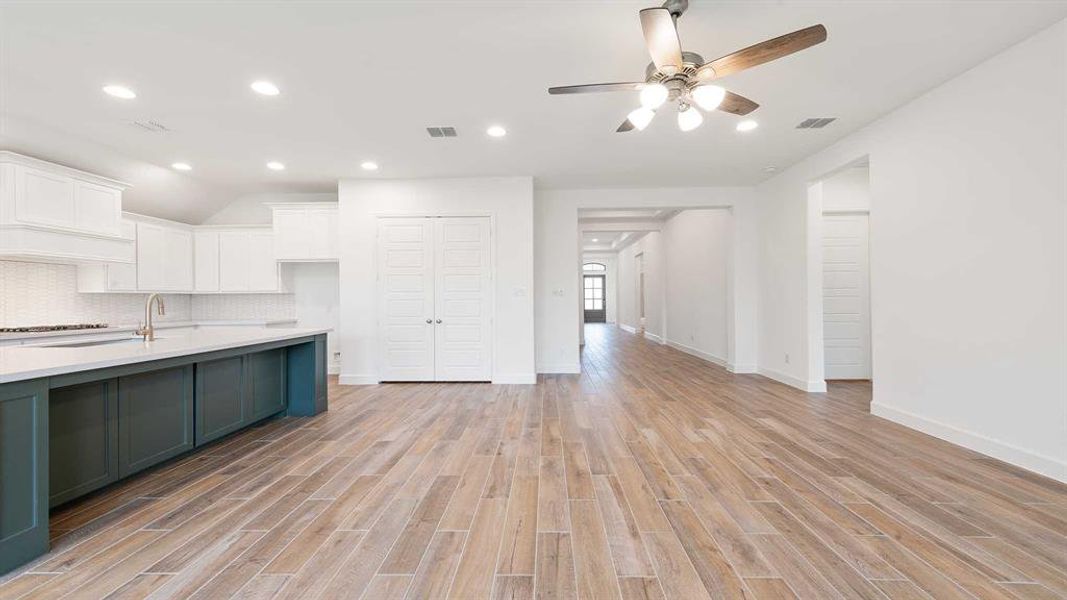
[(428, 321), (438, 321)]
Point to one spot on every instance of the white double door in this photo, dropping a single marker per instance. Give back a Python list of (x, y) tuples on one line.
[(434, 299)]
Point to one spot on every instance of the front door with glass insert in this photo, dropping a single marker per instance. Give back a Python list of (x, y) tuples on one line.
[(594, 299)]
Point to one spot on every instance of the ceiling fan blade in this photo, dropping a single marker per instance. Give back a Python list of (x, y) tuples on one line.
[(597, 87), (737, 105), (767, 51), (661, 37), (626, 126)]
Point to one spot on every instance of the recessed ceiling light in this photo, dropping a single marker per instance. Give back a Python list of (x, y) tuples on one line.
[(770, 169), (119, 91), (265, 87), (275, 166), (369, 165), (180, 166), (595, 240), (496, 131), (747, 125)]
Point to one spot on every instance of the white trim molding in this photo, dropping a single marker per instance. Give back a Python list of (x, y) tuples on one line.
[(711, 358), (627, 328), (815, 386), (741, 368), (1021, 457)]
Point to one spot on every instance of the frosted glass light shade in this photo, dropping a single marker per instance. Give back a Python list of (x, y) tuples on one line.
[(654, 95), (641, 117), (708, 97), (689, 119)]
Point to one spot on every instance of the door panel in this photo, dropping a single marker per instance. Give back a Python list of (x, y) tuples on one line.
[(155, 417), (846, 303), (221, 391), (462, 299), (405, 296), (83, 439), (593, 298), (268, 383)]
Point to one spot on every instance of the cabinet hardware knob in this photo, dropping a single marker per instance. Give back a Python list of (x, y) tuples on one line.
[(438, 321), (428, 321)]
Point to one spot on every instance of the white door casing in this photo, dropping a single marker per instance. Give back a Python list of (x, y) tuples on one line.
[(405, 299), (434, 300), (462, 288), (846, 297)]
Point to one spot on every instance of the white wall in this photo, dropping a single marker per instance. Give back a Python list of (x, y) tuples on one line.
[(510, 202), (650, 246), (968, 258), (847, 190), (556, 266), (696, 248), (252, 209)]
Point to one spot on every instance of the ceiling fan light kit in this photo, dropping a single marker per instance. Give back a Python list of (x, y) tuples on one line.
[(684, 77)]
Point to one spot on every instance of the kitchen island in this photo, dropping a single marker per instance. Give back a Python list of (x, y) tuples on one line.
[(79, 415)]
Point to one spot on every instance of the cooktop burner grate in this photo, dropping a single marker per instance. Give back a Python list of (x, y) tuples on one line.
[(44, 328)]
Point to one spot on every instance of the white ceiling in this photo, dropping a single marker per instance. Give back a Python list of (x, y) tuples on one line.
[(362, 80)]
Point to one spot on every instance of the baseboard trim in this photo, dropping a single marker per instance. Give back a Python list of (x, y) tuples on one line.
[(711, 358), (627, 328), (344, 379), (515, 378), (333, 369), (815, 387), (560, 368), (1020, 457), (653, 337), (742, 368)]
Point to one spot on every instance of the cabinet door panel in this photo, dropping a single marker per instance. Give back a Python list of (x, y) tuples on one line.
[(155, 417), (206, 261), (322, 233), (291, 233), (260, 263), (405, 295), (463, 297), (45, 198), (178, 260), (151, 257), (233, 247), (221, 390), (97, 208), (268, 383), (24, 472), (82, 439)]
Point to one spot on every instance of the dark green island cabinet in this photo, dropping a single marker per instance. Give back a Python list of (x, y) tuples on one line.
[(64, 436)]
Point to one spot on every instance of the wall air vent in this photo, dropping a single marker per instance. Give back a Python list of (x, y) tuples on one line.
[(441, 132), (816, 123), (151, 126)]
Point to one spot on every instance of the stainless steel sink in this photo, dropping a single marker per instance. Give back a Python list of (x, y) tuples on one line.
[(94, 343)]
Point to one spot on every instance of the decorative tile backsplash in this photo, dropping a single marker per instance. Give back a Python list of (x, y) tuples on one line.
[(47, 294), (243, 306)]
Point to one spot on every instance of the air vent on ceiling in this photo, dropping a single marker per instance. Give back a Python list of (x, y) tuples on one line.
[(816, 123), (441, 132), (151, 126)]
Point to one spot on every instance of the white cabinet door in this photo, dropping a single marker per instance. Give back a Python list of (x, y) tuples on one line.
[(206, 261), (290, 233), (44, 198), (178, 260), (151, 257), (233, 276), (462, 291), (405, 299), (121, 277), (262, 269), (97, 208), (321, 224)]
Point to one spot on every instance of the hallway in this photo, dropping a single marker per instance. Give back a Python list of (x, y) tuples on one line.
[(653, 474)]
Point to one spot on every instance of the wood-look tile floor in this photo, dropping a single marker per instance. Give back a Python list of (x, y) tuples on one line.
[(651, 475)]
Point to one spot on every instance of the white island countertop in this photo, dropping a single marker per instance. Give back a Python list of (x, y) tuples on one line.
[(19, 363)]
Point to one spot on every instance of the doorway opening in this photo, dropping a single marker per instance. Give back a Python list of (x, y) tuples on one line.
[(846, 283), (594, 292)]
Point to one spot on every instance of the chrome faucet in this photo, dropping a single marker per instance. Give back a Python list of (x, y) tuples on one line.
[(146, 329)]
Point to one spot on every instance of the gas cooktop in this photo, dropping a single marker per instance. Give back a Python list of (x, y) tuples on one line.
[(45, 328)]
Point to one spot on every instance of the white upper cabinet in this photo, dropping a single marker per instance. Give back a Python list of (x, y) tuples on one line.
[(54, 213), (246, 261), (164, 257), (305, 231), (206, 261)]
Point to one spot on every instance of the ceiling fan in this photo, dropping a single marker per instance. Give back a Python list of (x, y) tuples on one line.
[(685, 78)]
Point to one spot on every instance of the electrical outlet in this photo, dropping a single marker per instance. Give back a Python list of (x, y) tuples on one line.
[(787, 358)]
